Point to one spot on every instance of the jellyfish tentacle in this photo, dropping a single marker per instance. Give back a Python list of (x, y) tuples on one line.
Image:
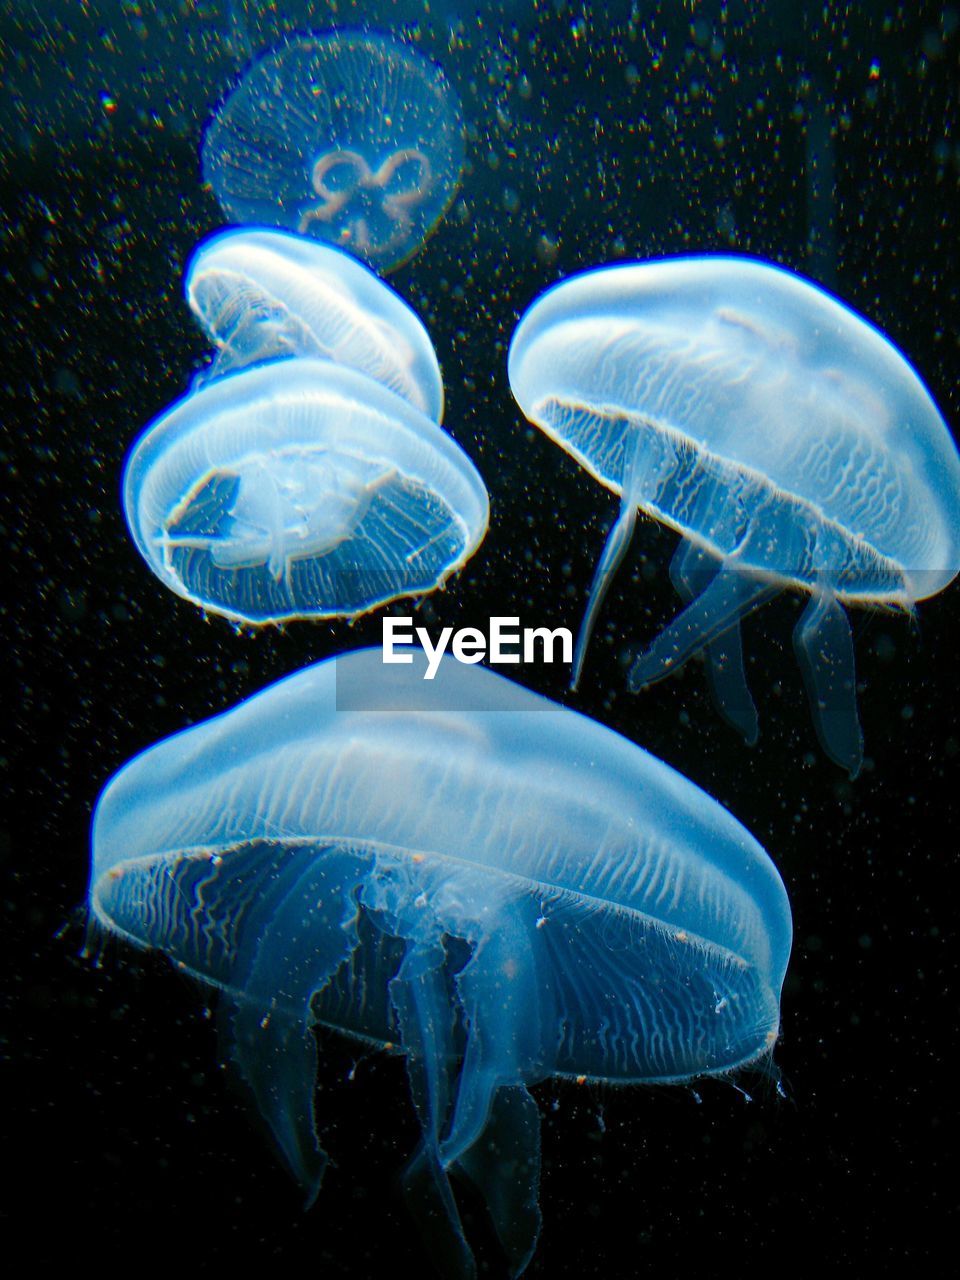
[(691, 571), (823, 644)]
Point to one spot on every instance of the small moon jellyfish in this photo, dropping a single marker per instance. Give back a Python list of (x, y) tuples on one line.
[(262, 295), (349, 137), (300, 489), (498, 886), (788, 442)]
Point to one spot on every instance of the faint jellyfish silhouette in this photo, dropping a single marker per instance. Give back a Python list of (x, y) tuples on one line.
[(262, 295), (500, 887), (300, 489), (787, 441), (350, 137)]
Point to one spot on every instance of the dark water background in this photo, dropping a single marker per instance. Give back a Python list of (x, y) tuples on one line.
[(595, 132)]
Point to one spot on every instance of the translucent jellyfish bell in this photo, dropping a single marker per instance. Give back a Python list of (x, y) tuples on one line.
[(786, 439), (300, 489), (262, 294), (498, 886), (348, 137)]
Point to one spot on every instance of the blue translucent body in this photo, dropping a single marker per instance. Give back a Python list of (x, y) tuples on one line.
[(787, 440), (347, 137), (502, 887), (300, 489), (262, 295)]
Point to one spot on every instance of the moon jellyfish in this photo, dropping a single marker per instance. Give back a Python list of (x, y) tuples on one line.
[(788, 442), (300, 489), (500, 887), (262, 295), (348, 137)]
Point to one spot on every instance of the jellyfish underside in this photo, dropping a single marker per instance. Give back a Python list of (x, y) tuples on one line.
[(254, 316), (252, 328), (471, 1044), (371, 209), (285, 507), (719, 591), (443, 959)]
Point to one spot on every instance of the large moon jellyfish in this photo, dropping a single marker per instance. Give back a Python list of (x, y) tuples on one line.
[(501, 887)]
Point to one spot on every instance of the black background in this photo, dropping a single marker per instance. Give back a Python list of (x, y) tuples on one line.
[(591, 137)]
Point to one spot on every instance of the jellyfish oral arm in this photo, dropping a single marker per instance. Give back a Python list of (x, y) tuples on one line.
[(287, 509), (498, 995), (691, 571), (497, 991), (419, 1000), (614, 550), (276, 1053), (824, 648), (733, 593), (641, 466), (505, 1115), (822, 642), (500, 1007)]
